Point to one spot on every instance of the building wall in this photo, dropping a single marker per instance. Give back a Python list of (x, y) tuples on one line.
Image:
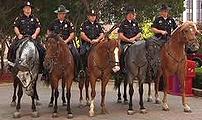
[(193, 10)]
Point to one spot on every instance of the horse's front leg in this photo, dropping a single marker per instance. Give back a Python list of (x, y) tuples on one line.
[(125, 91), (149, 99), (55, 109), (92, 80), (103, 92), (81, 84), (181, 75), (18, 106), (164, 104), (68, 95), (131, 91), (63, 93), (141, 103), (52, 98), (15, 84), (36, 96), (87, 92), (119, 94), (35, 113)]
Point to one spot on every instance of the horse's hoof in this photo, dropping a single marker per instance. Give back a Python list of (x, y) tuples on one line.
[(157, 102), (119, 101), (91, 113), (104, 111), (165, 107), (131, 112), (54, 115), (13, 104), (149, 99), (38, 103), (50, 105), (35, 114), (187, 109), (143, 111), (125, 102), (70, 116), (64, 104), (16, 115)]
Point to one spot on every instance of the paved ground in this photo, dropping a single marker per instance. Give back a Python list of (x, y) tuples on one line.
[(116, 111)]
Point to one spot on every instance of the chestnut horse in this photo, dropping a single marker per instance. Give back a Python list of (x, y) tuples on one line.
[(173, 58), (103, 59), (60, 64)]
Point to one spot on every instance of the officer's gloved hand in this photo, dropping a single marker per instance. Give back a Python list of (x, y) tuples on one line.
[(34, 36), (164, 32), (20, 36)]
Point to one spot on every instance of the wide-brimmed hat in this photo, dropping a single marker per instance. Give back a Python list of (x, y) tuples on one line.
[(130, 9), (61, 9), (92, 12), (164, 7), (27, 3)]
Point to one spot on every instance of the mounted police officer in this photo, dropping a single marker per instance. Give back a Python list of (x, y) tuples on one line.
[(164, 24), (26, 24), (129, 32), (65, 29), (91, 33)]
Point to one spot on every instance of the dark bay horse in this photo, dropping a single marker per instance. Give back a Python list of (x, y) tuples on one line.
[(103, 59), (173, 58), (60, 65), (25, 71)]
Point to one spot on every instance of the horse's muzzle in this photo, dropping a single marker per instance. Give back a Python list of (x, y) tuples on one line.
[(116, 68)]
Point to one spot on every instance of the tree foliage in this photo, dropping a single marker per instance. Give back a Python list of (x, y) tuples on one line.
[(108, 10)]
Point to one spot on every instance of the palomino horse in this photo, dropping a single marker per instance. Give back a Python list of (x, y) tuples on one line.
[(60, 64), (173, 58), (25, 72), (103, 59)]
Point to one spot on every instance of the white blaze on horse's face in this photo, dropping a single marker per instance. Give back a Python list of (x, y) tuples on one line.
[(25, 78), (116, 68)]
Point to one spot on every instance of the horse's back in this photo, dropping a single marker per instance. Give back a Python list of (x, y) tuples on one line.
[(136, 54)]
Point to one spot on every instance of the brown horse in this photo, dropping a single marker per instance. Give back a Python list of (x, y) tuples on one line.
[(103, 59), (60, 64), (173, 58)]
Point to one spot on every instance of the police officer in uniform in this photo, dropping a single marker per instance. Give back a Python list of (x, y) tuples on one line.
[(164, 24), (91, 33), (129, 32), (162, 27), (65, 29), (26, 24)]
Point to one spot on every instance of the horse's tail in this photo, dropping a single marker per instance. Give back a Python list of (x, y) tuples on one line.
[(118, 80)]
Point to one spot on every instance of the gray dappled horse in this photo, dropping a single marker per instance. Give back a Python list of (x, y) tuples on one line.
[(142, 62), (25, 71)]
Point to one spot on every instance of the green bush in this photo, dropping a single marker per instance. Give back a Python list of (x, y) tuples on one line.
[(197, 83), (146, 29)]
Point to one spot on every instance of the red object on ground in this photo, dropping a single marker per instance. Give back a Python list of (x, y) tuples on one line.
[(6, 77), (174, 83)]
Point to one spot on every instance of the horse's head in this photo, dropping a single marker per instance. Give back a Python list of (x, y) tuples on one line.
[(52, 52), (26, 65), (114, 52), (189, 31)]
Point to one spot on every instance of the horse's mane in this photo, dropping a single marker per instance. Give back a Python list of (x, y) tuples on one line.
[(183, 26), (55, 36)]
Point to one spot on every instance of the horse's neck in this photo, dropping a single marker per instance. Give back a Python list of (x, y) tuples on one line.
[(176, 45)]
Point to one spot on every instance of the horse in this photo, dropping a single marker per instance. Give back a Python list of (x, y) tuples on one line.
[(152, 54), (173, 58), (60, 65), (103, 59), (25, 73)]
